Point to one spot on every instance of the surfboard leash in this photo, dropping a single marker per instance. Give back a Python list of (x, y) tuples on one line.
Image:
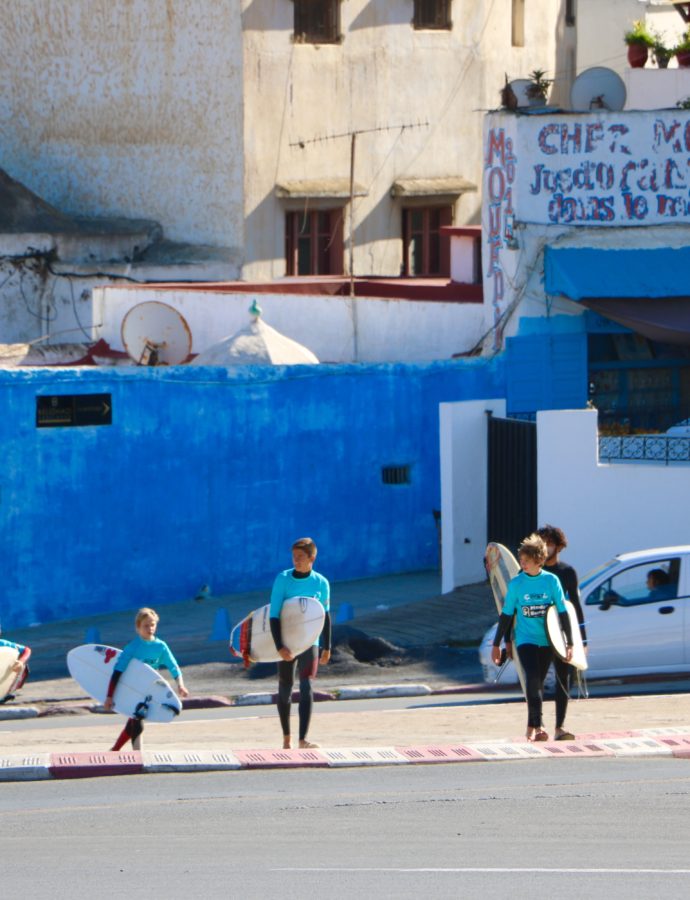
[(141, 710)]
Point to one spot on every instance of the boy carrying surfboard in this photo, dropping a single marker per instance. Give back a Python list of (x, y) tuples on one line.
[(300, 581), (529, 596), (151, 650)]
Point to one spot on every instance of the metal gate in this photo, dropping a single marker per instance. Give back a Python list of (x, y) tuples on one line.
[(512, 481)]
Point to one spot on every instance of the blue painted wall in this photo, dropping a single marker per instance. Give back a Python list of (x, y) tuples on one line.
[(546, 371), (207, 476)]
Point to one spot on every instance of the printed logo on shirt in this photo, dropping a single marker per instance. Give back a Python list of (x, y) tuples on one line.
[(536, 611)]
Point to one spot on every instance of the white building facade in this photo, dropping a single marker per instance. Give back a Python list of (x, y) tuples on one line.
[(234, 124)]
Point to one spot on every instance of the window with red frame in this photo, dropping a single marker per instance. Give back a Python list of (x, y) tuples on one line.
[(314, 242), (425, 250)]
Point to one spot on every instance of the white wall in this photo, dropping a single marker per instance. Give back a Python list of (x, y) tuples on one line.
[(335, 329), (604, 509), (464, 480), (656, 88)]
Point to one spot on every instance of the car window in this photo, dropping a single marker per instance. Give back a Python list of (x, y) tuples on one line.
[(595, 573), (651, 582)]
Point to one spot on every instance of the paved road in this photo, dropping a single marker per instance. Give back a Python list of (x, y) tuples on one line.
[(594, 828)]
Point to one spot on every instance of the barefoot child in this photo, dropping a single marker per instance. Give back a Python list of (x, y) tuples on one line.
[(300, 581), (155, 653), (529, 596), (20, 666)]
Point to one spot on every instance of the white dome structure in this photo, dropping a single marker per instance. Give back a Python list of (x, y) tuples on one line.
[(257, 344)]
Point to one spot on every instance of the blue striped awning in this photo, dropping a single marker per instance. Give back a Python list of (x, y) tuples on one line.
[(646, 290)]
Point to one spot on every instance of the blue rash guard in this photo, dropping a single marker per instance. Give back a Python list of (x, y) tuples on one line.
[(155, 653), (286, 586), (530, 597)]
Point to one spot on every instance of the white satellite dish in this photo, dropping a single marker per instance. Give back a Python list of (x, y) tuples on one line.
[(597, 88), (519, 86), (155, 334)]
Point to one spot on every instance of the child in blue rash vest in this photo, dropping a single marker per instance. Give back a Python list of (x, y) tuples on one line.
[(529, 596), (19, 666), (300, 581), (155, 653)]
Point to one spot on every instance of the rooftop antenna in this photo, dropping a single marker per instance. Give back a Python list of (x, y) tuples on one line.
[(352, 135)]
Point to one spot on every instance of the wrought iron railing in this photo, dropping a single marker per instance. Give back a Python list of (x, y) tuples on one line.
[(658, 448)]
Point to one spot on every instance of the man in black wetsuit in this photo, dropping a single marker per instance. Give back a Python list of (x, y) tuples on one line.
[(556, 541)]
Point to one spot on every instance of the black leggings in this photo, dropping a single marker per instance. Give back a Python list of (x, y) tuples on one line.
[(133, 728), (535, 662), (307, 663), (564, 676)]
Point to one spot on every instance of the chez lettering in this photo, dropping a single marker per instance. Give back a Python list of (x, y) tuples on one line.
[(616, 184)]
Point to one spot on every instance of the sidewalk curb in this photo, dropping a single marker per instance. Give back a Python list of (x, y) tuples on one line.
[(671, 742), (18, 712)]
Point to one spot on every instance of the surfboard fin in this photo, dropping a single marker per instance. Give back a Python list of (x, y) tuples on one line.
[(174, 709)]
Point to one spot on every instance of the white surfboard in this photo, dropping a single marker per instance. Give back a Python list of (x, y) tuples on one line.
[(8, 678), (502, 567), (301, 623), (557, 638), (141, 691)]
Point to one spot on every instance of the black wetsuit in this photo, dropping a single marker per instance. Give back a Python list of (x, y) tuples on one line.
[(564, 671), (307, 663)]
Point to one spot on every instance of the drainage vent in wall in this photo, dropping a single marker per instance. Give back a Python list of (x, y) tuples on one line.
[(395, 474)]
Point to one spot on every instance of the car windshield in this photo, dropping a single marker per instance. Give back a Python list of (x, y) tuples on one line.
[(594, 573)]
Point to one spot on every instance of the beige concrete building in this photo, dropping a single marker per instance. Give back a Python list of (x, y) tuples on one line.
[(233, 124)]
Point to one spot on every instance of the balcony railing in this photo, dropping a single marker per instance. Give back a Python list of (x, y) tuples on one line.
[(657, 448)]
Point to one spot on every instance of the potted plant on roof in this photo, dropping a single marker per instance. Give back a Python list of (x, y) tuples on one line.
[(538, 88), (639, 41), (662, 54), (682, 51)]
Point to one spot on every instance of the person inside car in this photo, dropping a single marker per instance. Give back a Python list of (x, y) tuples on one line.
[(659, 585)]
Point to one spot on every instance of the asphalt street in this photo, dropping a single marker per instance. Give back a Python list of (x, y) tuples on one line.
[(596, 828)]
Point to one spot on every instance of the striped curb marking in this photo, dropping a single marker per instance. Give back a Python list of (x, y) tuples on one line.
[(364, 756), (86, 765), (662, 743), (445, 754), (190, 761), (280, 759), (25, 768)]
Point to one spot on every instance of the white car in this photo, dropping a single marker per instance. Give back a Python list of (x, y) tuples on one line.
[(636, 615)]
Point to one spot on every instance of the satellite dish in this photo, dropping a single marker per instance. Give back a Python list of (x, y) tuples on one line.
[(597, 88), (519, 86), (155, 334)]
